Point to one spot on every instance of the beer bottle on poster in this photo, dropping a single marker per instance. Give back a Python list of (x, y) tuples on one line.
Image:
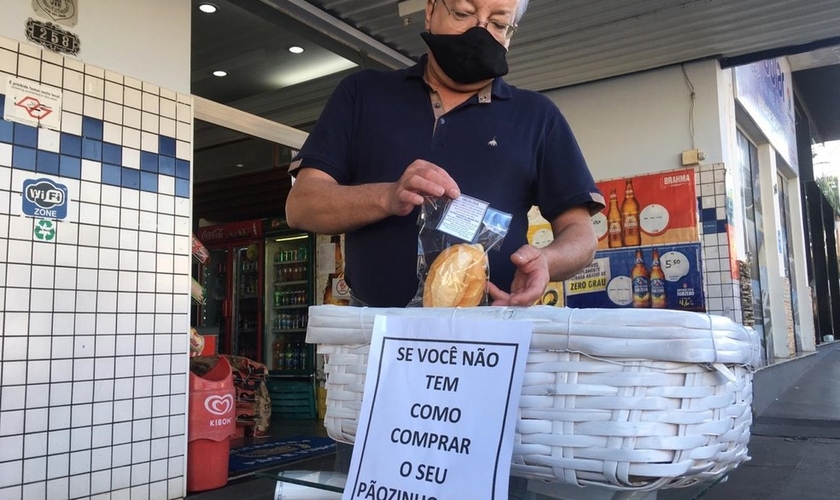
[(630, 217), (614, 222), (640, 279), (657, 283)]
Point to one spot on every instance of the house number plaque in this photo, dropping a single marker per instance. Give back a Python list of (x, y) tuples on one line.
[(52, 37)]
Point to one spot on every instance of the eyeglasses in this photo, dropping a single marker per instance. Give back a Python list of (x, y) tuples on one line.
[(463, 21)]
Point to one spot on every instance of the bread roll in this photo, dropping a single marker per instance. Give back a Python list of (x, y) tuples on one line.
[(457, 277)]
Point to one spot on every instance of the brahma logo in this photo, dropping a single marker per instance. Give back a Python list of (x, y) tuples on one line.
[(219, 405), (675, 180)]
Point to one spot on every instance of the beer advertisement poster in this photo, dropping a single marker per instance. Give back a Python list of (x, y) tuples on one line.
[(540, 235), (660, 276), (652, 209)]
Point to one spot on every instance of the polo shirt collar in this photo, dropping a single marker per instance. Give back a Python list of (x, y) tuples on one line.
[(499, 89)]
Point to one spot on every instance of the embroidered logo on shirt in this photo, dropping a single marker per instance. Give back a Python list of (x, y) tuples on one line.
[(492, 143)]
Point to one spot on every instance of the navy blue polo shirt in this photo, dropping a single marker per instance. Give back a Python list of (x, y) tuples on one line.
[(513, 150)]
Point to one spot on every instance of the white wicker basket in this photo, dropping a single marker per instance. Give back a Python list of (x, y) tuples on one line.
[(627, 399)]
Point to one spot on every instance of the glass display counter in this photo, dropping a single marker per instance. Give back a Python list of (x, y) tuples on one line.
[(329, 485)]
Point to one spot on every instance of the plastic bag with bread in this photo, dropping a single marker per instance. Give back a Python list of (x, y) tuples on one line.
[(453, 272)]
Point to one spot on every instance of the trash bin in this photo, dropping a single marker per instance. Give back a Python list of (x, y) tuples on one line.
[(212, 421)]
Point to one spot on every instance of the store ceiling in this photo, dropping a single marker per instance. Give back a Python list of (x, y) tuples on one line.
[(560, 43)]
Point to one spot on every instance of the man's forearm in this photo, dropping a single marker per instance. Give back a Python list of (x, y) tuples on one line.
[(571, 251), (329, 208)]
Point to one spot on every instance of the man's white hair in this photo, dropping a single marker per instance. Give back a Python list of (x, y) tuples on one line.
[(520, 10)]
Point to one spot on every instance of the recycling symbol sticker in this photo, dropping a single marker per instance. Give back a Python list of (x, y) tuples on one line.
[(45, 230)]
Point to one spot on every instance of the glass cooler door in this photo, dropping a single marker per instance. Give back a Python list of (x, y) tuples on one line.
[(288, 294), (246, 304)]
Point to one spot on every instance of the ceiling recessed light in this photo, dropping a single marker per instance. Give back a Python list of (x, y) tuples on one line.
[(219, 73), (207, 8), (240, 165), (294, 49)]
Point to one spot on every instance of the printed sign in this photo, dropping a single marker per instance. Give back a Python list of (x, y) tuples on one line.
[(665, 276), (230, 232), (653, 209), (44, 198), (463, 217), (439, 408), (540, 235), (52, 37), (340, 289), (32, 104), (61, 11), (765, 89), (44, 230), (593, 278)]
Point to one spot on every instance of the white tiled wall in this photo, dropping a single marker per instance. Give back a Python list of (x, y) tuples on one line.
[(722, 290), (94, 323)]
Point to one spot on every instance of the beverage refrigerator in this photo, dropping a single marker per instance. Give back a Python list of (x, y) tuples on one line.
[(288, 294), (288, 289), (232, 278)]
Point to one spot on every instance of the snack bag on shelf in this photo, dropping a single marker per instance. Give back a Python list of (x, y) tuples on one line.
[(452, 246), (197, 291), (196, 343), (199, 251)]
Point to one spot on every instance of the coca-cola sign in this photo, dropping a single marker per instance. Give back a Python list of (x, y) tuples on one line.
[(230, 232)]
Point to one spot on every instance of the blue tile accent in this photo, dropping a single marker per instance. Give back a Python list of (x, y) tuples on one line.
[(182, 169), (721, 226), (130, 178), (710, 227), (47, 162), (166, 165), (92, 128), (149, 182), (182, 188), (26, 136), (70, 144), (708, 214), (112, 153), (23, 157), (148, 161), (166, 146), (70, 166), (89, 146), (111, 174), (91, 149), (6, 131)]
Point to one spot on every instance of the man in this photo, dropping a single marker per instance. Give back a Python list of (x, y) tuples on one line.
[(448, 125)]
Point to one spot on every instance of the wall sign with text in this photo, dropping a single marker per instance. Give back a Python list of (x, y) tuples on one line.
[(662, 276), (652, 209)]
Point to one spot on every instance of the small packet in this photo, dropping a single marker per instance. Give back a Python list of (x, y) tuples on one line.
[(199, 251), (455, 236)]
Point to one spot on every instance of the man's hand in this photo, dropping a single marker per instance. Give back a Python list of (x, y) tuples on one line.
[(529, 281), (420, 179), (318, 203)]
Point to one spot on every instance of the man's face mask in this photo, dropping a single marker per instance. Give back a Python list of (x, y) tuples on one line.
[(470, 57)]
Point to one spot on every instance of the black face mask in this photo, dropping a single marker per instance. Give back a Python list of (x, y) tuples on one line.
[(470, 57)]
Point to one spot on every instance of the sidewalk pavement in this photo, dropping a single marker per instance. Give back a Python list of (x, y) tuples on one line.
[(795, 443)]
